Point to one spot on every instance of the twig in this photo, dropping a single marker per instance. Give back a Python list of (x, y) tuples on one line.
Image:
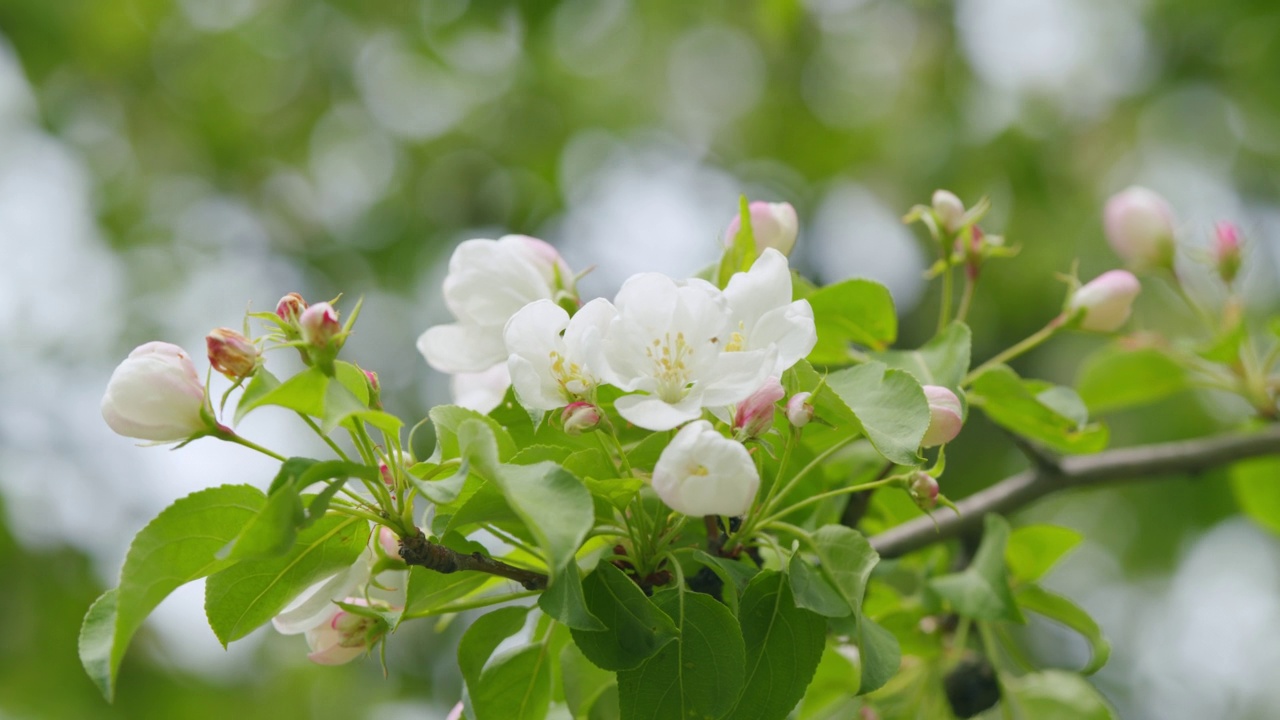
[(418, 550), (1116, 466)]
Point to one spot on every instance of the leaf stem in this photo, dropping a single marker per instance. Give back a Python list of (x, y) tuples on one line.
[(1026, 344), (229, 435), (328, 440)]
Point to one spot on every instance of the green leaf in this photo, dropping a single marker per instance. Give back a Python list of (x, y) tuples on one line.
[(879, 655), (239, 599), (584, 683), (1014, 405), (515, 686), (1034, 549), (1057, 695), (943, 360), (263, 382), (813, 591), (444, 490), (270, 532), (564, 601), (178, 546), (981, 591), (302, 393), (552, 503), (616, 492), (1056, 607), (890, 407), (484, 636), (698, 676), (1114, 378), (447, 418), (428, 590), (846, 558), (783, 643), (1257, 490), (290, 473), (853, 311), (741, 253), (635, 628)]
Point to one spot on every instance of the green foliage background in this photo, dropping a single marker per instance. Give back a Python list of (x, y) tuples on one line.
[(237, 100)]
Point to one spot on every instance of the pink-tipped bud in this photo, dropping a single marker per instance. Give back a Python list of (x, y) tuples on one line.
[(455, 713), (948, 209), (1139, 225), (754, 416), (1226, 250), (580, 417), (319, 324), (375, 389), (343, 636), (155, 394), (924, 489), (389, 542), (546, 259), (232, 354), (774, 225), (290, 307), (799, 409), (946, 416), (1106, 301)]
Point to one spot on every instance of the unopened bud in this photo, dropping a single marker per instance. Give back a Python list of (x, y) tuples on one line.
[(924, 489), (389, 542), (946, 416), (455, 713), (232, 354), (580, 417), (754, 416), (343, 635), (773, 225), (1139, 225), (799, 409), (375, 389), (948, 209), (319, 323), (1226, 250), (290, 307), (1106, 301)]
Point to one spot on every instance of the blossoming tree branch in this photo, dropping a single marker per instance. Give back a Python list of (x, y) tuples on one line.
[(674, 499)]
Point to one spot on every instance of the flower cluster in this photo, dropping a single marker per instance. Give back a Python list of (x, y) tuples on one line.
[(674, 348)]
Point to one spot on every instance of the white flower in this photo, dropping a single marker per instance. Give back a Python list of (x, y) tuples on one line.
[(764, 315), (155, 394), (488, 281), (481, 391), (342, 635), (315, 605), (701, 472), (556, 359), (667, 341)]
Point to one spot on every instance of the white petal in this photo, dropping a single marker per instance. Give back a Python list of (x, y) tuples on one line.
[(791, 328), (767, 285), (651, 413), (459, 348), (489, 281), (536, 389), (737, 375), (482, 391), (316, 603)]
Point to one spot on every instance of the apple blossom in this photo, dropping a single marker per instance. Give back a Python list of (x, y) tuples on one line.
[(488, 281), (1106, 301), (319, 324), (315, 604), (946, 416), (481, 391), (232, 354), (701, 472), (948, 209), (668, 341), (455, 713), (1226, 250), (155, 394), (1139, 226), (556, 359), (799, 409), (290, 307), (580, 417), (773, 225), (389, 542), (754, 416), (764, 315), (923, 488), (343, 635)]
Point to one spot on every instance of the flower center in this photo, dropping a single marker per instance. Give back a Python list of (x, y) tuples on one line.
[(670, 366), (570, 376), (738, 340)]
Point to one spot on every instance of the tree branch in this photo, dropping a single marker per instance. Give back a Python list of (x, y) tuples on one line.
[(418, 550), (1185, 457)]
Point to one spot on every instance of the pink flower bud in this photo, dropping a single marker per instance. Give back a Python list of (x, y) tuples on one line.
[(155, 394), (774, 225), (1139, 225), (1226, 250), (924, 489), (375, 389), (232, 354), (948, 209), (580, 417), (543, 256), (319, 323), (946, 416), (1106, 301), (290, 307), (343, 636), (799, 409), (754, 416), (455, 713), (389, 542)]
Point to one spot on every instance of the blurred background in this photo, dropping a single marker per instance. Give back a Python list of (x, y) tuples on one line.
[(166, 164)]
